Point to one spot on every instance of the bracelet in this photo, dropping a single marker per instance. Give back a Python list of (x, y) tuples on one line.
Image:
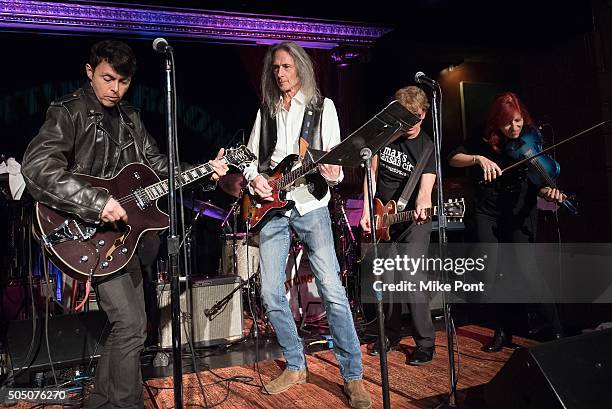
[(473, 159)]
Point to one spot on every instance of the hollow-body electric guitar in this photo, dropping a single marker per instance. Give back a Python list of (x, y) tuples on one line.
[(85, 250)]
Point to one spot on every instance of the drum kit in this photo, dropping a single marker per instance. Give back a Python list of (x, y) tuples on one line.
[(240, 251)]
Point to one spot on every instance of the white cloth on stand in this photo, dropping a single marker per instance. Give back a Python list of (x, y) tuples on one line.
[(16, 182)]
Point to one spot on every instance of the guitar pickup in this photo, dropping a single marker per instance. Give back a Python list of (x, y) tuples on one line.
[(142, 199)]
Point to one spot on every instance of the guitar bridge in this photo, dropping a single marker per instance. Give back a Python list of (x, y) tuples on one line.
[(69, 230)]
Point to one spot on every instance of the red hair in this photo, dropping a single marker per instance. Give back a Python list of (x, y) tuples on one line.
[(501, 113)]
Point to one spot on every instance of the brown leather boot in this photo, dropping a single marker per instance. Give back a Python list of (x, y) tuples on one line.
[(285, 381), (359, 398)]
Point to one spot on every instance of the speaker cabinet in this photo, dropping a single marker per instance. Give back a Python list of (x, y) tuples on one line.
[(74, 339), (224, 326), (574, 372)]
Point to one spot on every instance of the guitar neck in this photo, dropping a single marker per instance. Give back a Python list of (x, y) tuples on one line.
[(290, 177), (161, 188), (406, 216)]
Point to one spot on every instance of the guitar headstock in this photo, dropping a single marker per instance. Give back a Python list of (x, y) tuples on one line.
[(239, 157), (454, 209)]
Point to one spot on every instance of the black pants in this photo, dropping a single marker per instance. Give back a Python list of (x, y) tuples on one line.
[(487, 229), (418, 237), (118, 382)]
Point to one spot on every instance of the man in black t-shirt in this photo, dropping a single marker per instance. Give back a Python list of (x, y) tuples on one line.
[(391, 171)]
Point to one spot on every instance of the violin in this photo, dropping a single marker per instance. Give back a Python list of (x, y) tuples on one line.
[(543, 170)]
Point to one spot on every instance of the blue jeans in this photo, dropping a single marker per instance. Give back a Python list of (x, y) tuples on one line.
[(314, 229)]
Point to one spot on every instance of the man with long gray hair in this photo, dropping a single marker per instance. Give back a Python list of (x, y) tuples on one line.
[(292, 106)]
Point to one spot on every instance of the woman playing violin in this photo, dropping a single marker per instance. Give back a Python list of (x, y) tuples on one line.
[(505, 203)]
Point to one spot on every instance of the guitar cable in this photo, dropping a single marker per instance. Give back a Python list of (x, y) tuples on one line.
[(9, 379), (47, 341), (45, 264), (250, 296)]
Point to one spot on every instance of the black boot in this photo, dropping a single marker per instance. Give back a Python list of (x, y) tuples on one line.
[(374, 348), (502, 338), (421, 356)]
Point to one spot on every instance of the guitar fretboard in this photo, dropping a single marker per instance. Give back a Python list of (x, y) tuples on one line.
[(295, 174), (402, 217), (160, 189)]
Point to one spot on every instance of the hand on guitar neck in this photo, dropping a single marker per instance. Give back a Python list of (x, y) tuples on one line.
[(219, 167), (420, 215), (422, 212), (387, 215), (113, 211), (265, 192)]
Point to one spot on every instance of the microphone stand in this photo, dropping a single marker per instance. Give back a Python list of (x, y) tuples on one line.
[(443, 241), (357, 150), (173, 238), (366, 156), (233, 212)]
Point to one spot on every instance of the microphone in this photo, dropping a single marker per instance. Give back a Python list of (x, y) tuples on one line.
[(161, 45), (210, 312), (421, 78)]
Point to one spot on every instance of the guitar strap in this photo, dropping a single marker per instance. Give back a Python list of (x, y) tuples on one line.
[(414, 176), (311, 141), (311, 116)]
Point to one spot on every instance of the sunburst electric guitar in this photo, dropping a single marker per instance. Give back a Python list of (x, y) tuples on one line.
[(387, 215)]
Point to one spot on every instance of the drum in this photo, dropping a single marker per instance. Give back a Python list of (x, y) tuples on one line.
[(244, 268), (301, 281)]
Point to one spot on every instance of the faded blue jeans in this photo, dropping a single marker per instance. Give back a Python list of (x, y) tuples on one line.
[(314, 230)]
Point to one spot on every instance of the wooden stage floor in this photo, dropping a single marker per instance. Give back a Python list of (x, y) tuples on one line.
[(410, 386)]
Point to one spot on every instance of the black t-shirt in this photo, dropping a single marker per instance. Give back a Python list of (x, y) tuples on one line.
[(110, 121), (509, 195), (396, 162)]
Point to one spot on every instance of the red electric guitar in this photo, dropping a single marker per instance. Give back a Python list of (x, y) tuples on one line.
[(257, 212)]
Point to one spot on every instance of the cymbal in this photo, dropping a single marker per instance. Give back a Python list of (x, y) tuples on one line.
[(205, 209), (232, 183)]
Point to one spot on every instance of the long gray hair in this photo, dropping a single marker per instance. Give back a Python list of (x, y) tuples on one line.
[(270, 93)]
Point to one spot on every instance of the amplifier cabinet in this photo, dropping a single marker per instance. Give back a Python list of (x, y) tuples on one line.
[(224, 326)]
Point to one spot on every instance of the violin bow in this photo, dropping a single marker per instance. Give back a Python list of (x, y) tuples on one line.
[(543, 151)]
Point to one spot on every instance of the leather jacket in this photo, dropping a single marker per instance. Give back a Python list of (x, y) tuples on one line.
[(73, 140)]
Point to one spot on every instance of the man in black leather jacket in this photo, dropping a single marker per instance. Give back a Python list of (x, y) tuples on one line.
[(92, 131)]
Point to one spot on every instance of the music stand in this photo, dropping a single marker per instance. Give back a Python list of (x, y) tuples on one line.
[(379, 131), (357, 150)]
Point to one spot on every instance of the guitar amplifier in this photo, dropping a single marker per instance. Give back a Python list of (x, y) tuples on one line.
[(223, 326), (74, 340)]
